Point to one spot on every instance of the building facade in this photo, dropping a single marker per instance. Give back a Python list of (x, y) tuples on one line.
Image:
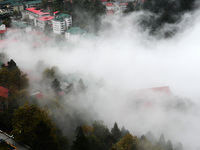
[(61, 22)]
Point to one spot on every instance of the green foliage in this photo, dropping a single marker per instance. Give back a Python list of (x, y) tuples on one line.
[(31, 124), (12, 77)]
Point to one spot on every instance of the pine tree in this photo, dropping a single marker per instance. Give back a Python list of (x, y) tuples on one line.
[(116, 132)]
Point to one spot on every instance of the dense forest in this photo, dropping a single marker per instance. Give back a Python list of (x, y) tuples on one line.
[(32, 120)]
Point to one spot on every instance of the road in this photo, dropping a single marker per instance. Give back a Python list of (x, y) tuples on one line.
[(11, 140)]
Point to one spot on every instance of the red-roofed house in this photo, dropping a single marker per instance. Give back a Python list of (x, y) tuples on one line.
[(110, 6)]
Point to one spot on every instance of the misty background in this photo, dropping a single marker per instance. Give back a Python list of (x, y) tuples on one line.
[(124, 58)]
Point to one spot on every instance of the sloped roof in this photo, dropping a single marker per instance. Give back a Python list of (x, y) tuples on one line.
[(76, 31)]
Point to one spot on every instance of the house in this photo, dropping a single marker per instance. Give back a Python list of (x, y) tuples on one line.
[(17, 7), (110, 6), (61, 22), (74, 34)]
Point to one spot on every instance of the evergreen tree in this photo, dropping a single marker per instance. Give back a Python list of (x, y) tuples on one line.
[(161, 141), (124, 132), (81, 86), (169, 145), (55, 85), (116, 132), (81, 142)]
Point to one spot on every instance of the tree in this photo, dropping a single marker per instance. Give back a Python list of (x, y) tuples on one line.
[(81, 86), (81, 142), (31, 124), (116, 132), (44, 140), (126, 143), (102, 133), (169, 145), (161, 141), (130, 7), (55, 85), (124, 132), (16, 14)]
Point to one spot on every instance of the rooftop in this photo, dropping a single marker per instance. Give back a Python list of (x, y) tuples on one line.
[(76, 31), (46, 18), (39, 12), (109, 4), (61, 16)]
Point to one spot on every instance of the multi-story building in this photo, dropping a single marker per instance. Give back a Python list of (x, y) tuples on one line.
[(61, 22), (74, 34)]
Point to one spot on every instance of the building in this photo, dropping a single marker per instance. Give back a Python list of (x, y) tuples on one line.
[(41, 22), (2, 27), (74, 34), (32, 13), (123, 6), (109, 6), (61, 22)]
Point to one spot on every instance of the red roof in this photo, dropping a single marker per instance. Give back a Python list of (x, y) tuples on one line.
[(3, 31), (45, 18), (109, 4), (55, 12), (39, 12)]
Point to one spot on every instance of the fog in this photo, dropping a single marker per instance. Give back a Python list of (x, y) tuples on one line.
[(123, 59)]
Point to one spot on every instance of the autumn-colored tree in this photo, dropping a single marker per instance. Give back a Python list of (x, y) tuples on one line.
[(126, 143), (87, 130)]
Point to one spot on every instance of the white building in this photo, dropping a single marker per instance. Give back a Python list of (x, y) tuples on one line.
[(61, 22), (74, 34)]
